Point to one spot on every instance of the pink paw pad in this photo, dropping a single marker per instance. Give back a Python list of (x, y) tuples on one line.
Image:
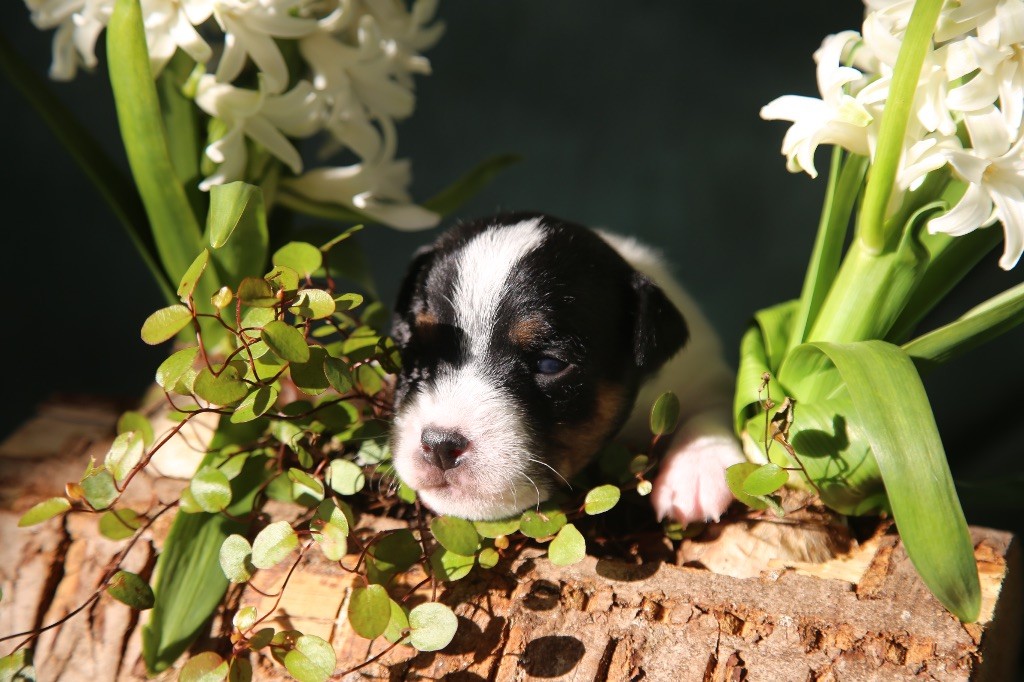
[(691, 484)]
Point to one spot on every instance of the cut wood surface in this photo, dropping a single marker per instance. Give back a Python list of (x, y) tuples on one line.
[(759, 615)]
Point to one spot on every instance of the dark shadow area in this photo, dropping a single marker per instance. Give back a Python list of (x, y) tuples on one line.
[(552, 656)]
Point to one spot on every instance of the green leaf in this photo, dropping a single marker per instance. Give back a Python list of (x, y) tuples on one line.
[(284, 279), (245, 618), (273, 544), (312, 659), (542, 523), (256, 291), (493, 529), (644, 488), (488, 557), (470, 184), (347, 302), (568, 547), (314, 304), (369, 611), (119, 524), (285, 341), (396, 551), (765, 480), (301, 257), (304, 484), (601, 499), (665, 414), (449, 566), (892, 408), (188, 281), (455, 535), (398, 623), (338, 374), (255, 405), (125, 453), (235, 558), (331, 536), (345, 477), (17, 667), (175, 367), (222, 299), (432, 626), (44, 511), (220, 389), (207, 666), (236, 225), (309, 376), (211, 489), (130, 589), (240, 669), (165, 323), (736, 476), (98, 486), (369, 379), (136, 421)]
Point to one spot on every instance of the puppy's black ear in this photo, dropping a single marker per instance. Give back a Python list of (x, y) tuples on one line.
[(401, 320), (659, 328)]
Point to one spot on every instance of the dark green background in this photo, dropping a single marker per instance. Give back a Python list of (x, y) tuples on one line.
[(641, 117)]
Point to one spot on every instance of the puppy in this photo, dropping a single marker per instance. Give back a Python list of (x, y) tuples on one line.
[(528, 343)]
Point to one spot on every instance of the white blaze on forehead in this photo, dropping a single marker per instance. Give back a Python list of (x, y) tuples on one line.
[(485, 264)]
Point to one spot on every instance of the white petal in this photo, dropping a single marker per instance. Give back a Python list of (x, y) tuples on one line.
[(185, 35), (974, 95), (263, 132), (969, 214), (989, 136), (405, 217), (1011, 213)]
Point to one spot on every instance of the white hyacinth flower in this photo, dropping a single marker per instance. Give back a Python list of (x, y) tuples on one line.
[(837, 118), (79, 24), (268, 119), (994, 172)]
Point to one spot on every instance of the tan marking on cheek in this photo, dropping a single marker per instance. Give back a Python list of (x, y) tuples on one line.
[(527, 330), (577, 444), (425, 319)]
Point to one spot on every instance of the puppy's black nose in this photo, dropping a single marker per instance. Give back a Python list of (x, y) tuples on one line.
[(442, 447)]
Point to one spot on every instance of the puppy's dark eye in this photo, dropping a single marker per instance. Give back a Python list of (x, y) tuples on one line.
[(550, 365)]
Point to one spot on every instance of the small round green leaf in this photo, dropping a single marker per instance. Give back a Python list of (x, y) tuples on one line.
[(136, 421), (309, 376), (736, 476), (211, 489), (665, 414), (165, 323), (255, 405), (284, 278), (330, 538), (205, 667), (304, 258), (130, 589), (369, 379), (304, 484), (273, 544), (261, 638), (45, 510), (542, 523), (449, 566), (222, 299), (256, 318), (601, 499), (285, 341), (315, 304), (455, 535), (338, 374), (192, 275), (765, 480), (488, 557), (492, 529), (644, 488), (125, 453), (118, 524), (240, 670), (257, 292), (369, 611), (17, 667), (432, 626), (568, 547), (312, 659), (396, 551), (347, 302), (175, 367), (245, 618), (345, 477), (397, 625), (98, 487), (236, 559), (220, 389)]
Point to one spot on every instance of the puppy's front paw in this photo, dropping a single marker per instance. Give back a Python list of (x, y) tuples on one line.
[(691, 485)]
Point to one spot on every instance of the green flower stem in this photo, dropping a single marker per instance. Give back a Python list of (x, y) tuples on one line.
[(873, 234)]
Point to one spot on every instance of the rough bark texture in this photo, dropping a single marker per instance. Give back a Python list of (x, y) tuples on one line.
[(862, 616)]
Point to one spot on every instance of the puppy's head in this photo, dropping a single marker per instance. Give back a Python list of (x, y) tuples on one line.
[(524, 340)]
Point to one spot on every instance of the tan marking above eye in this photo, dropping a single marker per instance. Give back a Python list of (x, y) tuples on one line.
[(425, 319), (527, 330)]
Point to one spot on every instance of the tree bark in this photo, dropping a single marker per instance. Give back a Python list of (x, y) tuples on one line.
[(863, 615)]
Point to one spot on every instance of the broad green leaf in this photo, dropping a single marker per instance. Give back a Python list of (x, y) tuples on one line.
[(130, 589), (17, 667), (432, 626), (493, 529), (765, 480), (397, 624), (220, 389), (542, 523), (175, 367), (207, 666), (125, 453), (255, 405), (245, 618), (469, 185), (261, 638), (188, 281), (235, 557), (309, 376), (568, 547), (338, 374), (284, 278), (240, 669), (211, 489), (285, 341), (336, 513), (892, 408), (388, 355), (373, 452), (165, 323), (736, 476), (331, 538), (256, 291), (301, 257), (315, 304), (236, 226), (273, 544), (136, 421), (118, 524), (601, 499), (396, 551), (311, 660), (44, 511), (98, 487), (369, 611), (347, 302), (345, 477), (455, 535), (304, 484), (665, 414), (449, 566)]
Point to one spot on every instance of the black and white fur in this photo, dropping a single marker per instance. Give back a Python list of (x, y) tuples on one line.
[(529, 342)]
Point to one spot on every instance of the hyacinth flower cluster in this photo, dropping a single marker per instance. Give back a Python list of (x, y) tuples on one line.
[(346, 74), (922, 109)]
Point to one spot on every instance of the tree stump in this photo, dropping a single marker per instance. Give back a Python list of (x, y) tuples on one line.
[(861, 616)]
